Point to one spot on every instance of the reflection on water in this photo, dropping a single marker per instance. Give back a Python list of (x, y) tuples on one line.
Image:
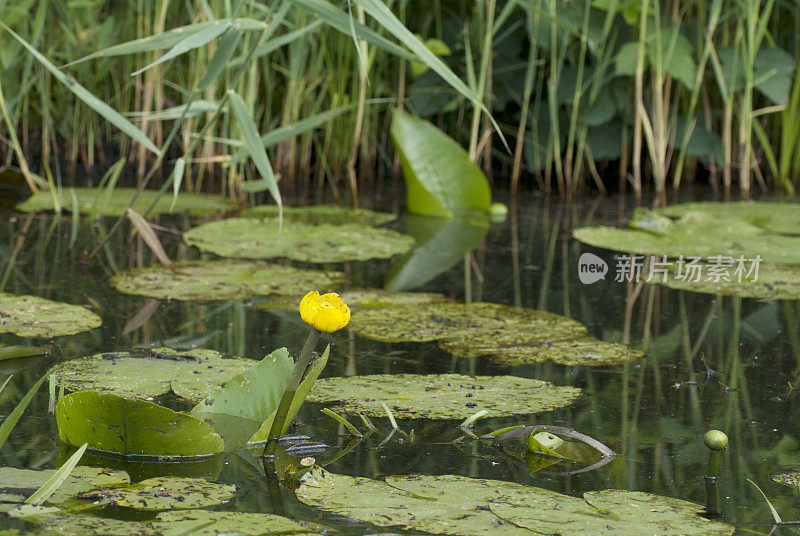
[(711, 362)]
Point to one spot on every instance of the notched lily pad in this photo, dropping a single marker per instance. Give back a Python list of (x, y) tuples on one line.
[(457, 505), (777, 282), (132, 427), (782, 218), (115, 202), (191, 374), (31, 316), (442, 396), (164, 493), (698, 235), (251, 238), (204, 522), (225, 280), (511, 335), (319, 214)]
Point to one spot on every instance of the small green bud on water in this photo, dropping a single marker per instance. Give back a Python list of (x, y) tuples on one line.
[(716, 440), (498, 212)]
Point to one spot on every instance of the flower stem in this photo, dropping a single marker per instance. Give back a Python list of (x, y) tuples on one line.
[(289, 393)]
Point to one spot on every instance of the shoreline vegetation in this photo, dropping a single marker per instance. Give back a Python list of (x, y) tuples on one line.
[(296, 97)]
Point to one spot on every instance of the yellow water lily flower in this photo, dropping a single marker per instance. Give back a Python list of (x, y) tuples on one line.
[(325, 312)]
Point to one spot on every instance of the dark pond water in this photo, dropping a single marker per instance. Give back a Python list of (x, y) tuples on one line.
[(711, 362)]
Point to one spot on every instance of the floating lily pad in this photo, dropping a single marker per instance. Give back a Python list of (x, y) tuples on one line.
[(319, 214), (191, 374), (788, 479), (132, 427), (64, 523), (204, 522), (164, 493), (225, 280), (464, 506), (783, 218), (778, 282), (511, 335), (442, 396), (114, 203), (24, 482), (366, 298), (698, 235), (264, 239), (31, 316)]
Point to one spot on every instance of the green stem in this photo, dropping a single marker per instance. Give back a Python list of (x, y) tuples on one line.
[(289, 393)]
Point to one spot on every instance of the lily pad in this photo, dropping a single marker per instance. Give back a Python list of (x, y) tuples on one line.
[(365, 298), (464, 506), (782, 218), (788, 479), (777, 282), (24, 482), (132, 427), (191, 374), (698, 235), (264, 239), (204, 522), (93, 200), (225, 280), (442, 396), (511, 335), (319, 214), (64, 523), (31, 316), (164, 493)]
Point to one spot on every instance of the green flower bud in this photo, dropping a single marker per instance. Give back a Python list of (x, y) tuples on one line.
[(716, 440)]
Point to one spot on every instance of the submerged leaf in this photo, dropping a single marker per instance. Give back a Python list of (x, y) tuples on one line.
[(191, 374), (132, 427), (263, 239), (441, 180), (225, 280), (442, 396), (464, 506), (114, 203), (31, 316)]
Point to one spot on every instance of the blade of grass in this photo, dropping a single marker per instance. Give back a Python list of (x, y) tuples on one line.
[(150, 238), (11, 421), (196, 40), (110, 114), (55, 481), (344, 422)]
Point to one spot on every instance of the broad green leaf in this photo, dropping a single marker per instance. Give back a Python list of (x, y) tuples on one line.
[(11, 420), (258, 153), (251, 238), (58, 478), (132, 427), (195, 40), (226, 280), (250, 396), (441, 396), (441, 180), (543, 443), (305, 387), (110, 114), (319, 214), (161, 493), (440, 244)]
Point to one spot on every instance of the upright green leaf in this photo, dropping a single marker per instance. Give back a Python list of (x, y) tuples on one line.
[(441, 180), (221, 57), (252, 141), (111, 115), (11, 421), (196, 40), (300, 396)]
